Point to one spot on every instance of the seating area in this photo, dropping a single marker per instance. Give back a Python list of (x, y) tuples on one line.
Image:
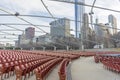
[(110, 61), (17, 62), (77, 53), (62, 71), (24, 64), (44, 69), (56, 54), (27, 69)]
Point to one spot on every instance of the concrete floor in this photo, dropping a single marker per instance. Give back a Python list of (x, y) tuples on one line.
[(87, 69), (83, 69)]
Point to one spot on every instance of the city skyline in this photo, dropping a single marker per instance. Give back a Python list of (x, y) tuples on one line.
[(59, 39), (36, 8)]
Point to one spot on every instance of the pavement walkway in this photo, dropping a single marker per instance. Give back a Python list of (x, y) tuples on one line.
[(87, 69)]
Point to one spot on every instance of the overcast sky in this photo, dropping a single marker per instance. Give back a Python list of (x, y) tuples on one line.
[(35, 7)]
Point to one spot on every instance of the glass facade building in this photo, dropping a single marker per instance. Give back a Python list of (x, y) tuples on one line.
[(79, 11)]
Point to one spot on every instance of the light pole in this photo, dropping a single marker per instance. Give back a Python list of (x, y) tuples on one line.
[(81, 40), (55, 48)]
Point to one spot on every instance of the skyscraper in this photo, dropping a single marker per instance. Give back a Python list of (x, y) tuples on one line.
[(21, 39), (79, 11), (102, 34), (60, 27), (85, 26), (113, 22), (29, 32)]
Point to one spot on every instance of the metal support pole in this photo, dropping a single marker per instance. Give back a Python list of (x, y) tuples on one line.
[(81, 38), (4, 48), (44, 48), (21, 48), (33, 48), (67, 48), (13, 48), (55, 48)]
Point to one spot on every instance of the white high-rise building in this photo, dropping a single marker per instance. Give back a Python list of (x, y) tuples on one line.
[(85, 26), (79, 11), (113, 23)]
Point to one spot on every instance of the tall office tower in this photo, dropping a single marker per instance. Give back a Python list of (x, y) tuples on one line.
[(60, 27), (102, 34), (86, 31), (21, 39), (113, 22), (85, 26), (29, 33), (79, 11)]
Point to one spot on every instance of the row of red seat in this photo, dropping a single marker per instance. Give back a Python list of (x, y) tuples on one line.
[(111, 66), (7, 64), (24, 62), (20, 60), (63, 67), (77, 53), (107, 52), (100, 58), (110, 61), (44, 69), (56, 54), (26, 69)]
